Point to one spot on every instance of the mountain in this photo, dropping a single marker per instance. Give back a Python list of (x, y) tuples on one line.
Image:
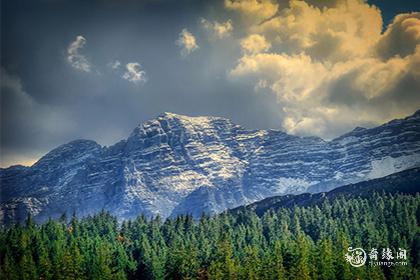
[(177, 164), (404, 182)]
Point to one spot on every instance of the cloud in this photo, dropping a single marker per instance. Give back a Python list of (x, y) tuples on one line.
[(293, 78), (347, 30), (114, 64), (337, 72), (255, 43), (401, 37), (187, 42), (327, 100), (218, 29), (77, 60), (255, 11), (134, 73), (26, 123)]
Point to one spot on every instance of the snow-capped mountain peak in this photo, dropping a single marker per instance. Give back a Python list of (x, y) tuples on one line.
[(178, 164)]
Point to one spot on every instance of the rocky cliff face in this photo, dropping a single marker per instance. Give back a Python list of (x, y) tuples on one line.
[(177, 164)]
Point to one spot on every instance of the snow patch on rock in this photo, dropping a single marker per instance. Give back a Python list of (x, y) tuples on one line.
[(388, 165)]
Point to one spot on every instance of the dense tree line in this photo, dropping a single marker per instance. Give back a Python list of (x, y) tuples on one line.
[(292, 243)]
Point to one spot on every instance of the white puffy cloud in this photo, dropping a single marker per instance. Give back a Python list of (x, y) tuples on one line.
[(77, 60), (331, 68), (218, 29), (134, 73), (255, 43), (187, 42)]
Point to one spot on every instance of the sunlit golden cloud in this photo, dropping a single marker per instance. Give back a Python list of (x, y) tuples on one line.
[(218, 29), (255, 43), (332, 68), (187, 42)]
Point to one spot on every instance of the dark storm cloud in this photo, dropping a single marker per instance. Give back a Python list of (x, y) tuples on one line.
[(53, 102)]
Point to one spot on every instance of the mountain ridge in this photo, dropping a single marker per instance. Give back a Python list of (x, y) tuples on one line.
[(176, 164), (175, 115), (403, 182)]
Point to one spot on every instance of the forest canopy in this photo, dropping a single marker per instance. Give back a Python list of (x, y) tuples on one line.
[(289, 243)]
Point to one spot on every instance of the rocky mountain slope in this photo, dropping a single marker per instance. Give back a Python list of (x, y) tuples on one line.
[(177, 164), (404, 182)]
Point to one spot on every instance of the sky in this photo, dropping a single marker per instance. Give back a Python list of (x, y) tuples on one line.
[(79, 69)]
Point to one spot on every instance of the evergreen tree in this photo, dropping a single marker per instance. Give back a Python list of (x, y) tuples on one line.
[(289, 243)]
